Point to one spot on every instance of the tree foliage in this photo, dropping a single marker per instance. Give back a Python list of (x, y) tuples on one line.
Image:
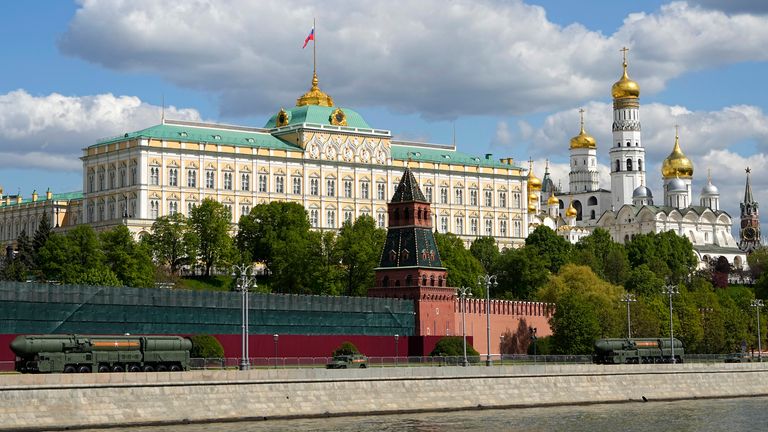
[(554, 250), (463, 268), (206, 346), (210, 221), (453, 346), (346, 348), (521, 272), (605, 257), (359, 247), (668, 255), (173, 242), (129, 261), (485, 250)]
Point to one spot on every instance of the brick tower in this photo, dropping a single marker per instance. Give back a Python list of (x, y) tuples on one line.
[(410, 266), (749, 237)]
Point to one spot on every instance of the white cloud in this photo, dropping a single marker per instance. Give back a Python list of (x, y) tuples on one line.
[(431, 57), (503, 135), (50, 131)]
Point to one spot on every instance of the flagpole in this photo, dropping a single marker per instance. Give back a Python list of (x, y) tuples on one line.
[(314, 48)]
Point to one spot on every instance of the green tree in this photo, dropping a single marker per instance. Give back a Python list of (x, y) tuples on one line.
[(463, 268), (173, 242), (359, 246), (346, 348), (575, 325), (554, 250), (39, 239), (486, 251), (263, 230), (206, 346), (758, 261), (453, 346), (326, 276), (521, 272), (130, 262), (605, 257), (644, 282), (668, 255), (210, 221)]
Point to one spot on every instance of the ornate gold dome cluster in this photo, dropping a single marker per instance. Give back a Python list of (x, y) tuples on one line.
[(534, 186), (677, 164), (315, 96)]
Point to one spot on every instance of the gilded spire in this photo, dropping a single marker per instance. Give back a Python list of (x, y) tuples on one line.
[(315, 96), (534, 183), (748, 198)]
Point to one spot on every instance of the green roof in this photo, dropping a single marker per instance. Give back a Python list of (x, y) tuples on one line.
[(209, 135), (65, 196), (318, 115), (444, 156)]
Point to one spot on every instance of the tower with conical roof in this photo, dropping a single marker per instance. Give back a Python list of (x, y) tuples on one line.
[(627, 152), (583, 176), (410, 265), (677, 174), (749, 235)]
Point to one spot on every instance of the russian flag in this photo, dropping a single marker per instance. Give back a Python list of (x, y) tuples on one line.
[(311, 37)]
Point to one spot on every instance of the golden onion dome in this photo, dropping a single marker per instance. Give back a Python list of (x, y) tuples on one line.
[(315, 96), (571, 211), (553, 200), (625, 87), (677, 164), (583, 140), (532, 197), (534, 183), (532, 208)]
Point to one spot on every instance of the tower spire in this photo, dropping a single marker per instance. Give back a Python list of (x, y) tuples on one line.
[(748, 198)]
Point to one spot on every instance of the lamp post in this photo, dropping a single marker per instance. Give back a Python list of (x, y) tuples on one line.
[(397, 348), (244, 279), (488, 281), (275, 337), (671, 290), (464, 292), (629, 298), (758, 304)]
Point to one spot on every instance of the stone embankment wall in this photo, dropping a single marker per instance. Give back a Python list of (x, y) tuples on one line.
[(58, 401)]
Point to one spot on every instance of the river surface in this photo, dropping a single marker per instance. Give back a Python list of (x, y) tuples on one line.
[(742, 414)]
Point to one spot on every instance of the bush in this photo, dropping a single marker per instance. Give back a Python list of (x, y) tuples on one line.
[(347, 348), (452, 346), (543, 346), (206, 346)]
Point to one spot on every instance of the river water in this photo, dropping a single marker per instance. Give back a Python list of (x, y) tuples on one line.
[(742, 414)]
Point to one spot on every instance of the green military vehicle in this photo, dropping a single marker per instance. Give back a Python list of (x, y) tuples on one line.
[(348, 361)]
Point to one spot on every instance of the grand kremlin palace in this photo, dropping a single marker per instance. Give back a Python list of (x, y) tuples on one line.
[(325, 157)]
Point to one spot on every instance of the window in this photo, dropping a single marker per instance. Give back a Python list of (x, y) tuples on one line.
[(443, 195), (618, 166), (518, 229), (381, 191), (473, 197), (313, 218), (154, 177), (297, 185), (459, 225), (190, 206), (101, 211), (347, 188), (122, 176), (592, 214), (503, 228), (314, 188), (592, 200), (503, 199), (90, 182), (245, 181), (428, 193), (111, 209), (229, 210), (365, 191), (280, 184), (154, 209), (173, 177), (111, 178), (489, 198), (262, 182), (458, 196), (348, 216), (330, 218), (330, 187), (381, 220), (134, 174), (473, 226), (245, 210), (228, 180), (639, 164), (444, 224), (489, 227), (191, 178), (173, 207), (629, 164)]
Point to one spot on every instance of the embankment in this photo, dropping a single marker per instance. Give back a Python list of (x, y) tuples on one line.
[(58, 401)]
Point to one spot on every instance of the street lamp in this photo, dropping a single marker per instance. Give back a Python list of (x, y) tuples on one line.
[(757, 304), (671, 290), (244, 279), (629, 298), (397, 348), (275, 336), (464, 292), (488, 281)]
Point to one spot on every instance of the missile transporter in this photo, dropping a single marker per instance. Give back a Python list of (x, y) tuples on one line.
[(85, 354), (637, 350)]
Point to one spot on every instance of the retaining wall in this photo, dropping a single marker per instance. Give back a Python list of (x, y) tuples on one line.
[(58, 401)]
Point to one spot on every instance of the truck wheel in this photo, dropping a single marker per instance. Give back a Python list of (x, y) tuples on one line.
[(117, 368), (69, 369), (103, 368), (84, 369), (148, 368), (134, 368), (162, 368), (175, 368)]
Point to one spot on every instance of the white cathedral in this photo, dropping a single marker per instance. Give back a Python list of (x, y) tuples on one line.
[(628, 208)]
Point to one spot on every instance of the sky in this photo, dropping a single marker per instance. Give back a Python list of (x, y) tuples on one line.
[(509, 75)]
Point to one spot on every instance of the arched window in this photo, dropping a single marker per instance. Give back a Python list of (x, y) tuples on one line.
[(577, 206), (424, 280), (405, 212), (397, 283), (618, 165), (628, 143), (639, 164), (629, 164), (408, 280), (396, 215), (592, 201), (592, 214), (385, 281), (432, 281)]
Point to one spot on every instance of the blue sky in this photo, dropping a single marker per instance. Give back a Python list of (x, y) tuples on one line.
[(510, 75)]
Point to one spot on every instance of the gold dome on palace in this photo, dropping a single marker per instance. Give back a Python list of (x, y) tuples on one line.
[(625, 87), (534, 183), (553, 200), (583, 140), (315, 96), (571, 211), (677, 164)]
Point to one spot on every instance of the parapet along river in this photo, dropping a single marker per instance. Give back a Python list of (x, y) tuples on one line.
[(733, 415)]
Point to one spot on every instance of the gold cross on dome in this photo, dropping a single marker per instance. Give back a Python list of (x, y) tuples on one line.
[(624, 51), (581, 114)]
